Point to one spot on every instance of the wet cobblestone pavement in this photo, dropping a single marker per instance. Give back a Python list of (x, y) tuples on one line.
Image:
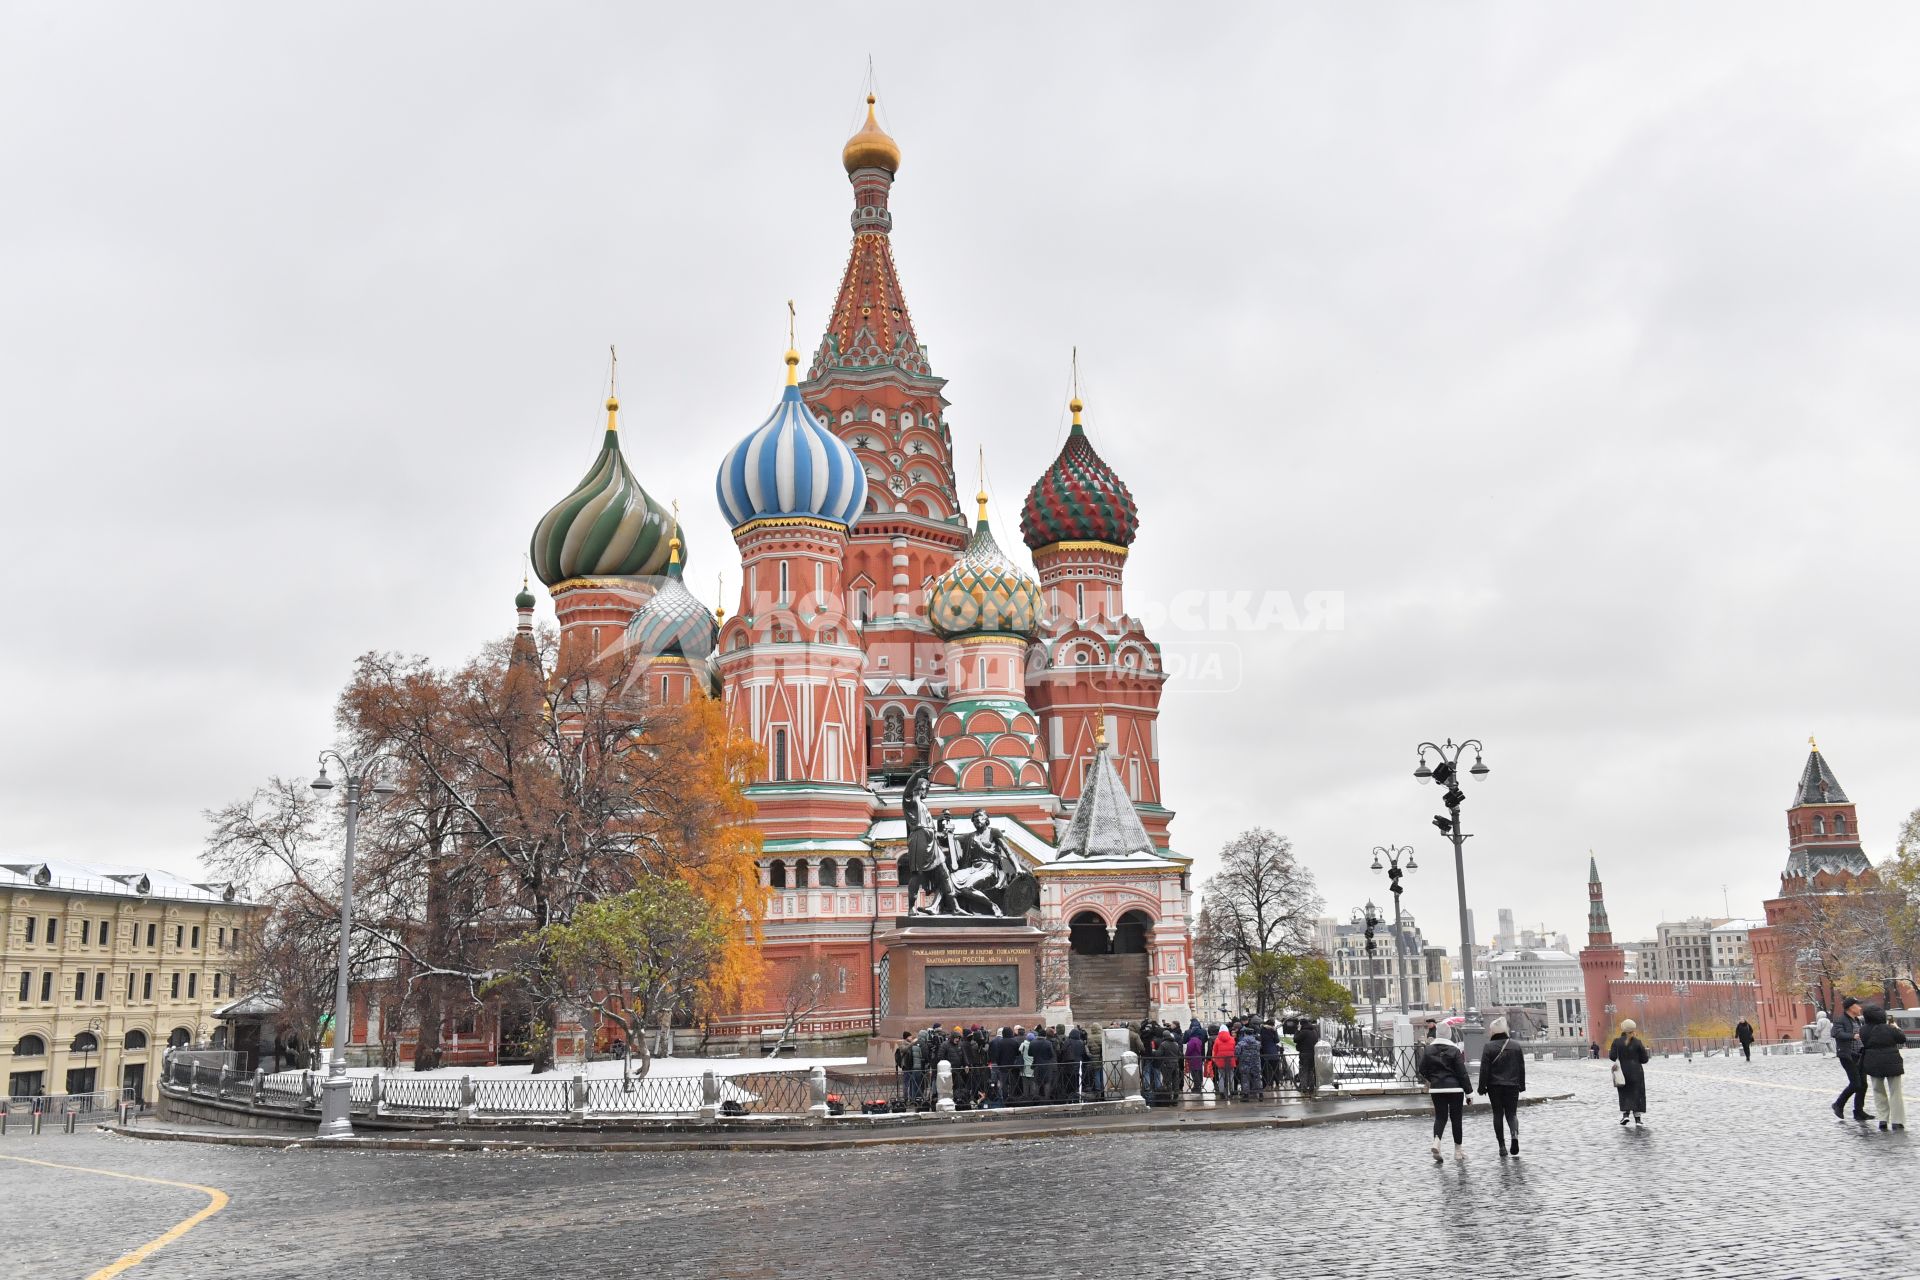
[(1740, 1171)]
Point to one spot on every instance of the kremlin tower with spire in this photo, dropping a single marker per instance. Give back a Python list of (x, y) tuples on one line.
[(876, 634)]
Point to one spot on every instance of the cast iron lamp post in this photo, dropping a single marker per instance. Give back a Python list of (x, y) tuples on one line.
[(1373, 992), (1445, 772), (1395, 869), (336, 1108)]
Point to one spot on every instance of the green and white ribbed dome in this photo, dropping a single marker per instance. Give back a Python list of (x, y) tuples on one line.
[(607, 527)]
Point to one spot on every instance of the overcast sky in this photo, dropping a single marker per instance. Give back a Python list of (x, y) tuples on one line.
[(1574, 346)]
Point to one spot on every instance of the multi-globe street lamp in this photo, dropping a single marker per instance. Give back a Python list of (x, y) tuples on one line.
[(1395, 869), (1373, 992), (336, 1108), (1445, 772)]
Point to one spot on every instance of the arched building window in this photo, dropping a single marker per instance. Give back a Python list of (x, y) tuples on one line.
[(893, 726), (800, 873), (1839, 824), (29, 1047), (829, 874), (180, 1038), (1819, 825), (777, 874), (856, 873), (136, 1040), (923, 729)]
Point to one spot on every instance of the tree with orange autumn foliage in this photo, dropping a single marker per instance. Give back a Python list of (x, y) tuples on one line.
[(534, 780)]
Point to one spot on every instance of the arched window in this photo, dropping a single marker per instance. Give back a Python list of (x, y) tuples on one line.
[(893, 726), (923, 729), (777, 874), (29, 1047), (86, 1042), (829, 874), (180, 1038), (1839, 824), (1819, 825), (992, 777), (136, 1040), (863, 605), (856, 873), (779, 755), (800, 873)]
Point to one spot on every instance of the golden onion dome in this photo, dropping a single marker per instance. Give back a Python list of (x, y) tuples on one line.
[(871, 148)]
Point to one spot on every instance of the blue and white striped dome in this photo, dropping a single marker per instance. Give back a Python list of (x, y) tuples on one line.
[(791, 466)]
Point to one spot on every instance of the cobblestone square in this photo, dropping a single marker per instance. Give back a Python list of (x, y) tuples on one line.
[(1740, 1171)]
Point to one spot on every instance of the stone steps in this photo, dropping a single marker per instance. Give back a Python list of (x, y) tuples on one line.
[(1107, 989)]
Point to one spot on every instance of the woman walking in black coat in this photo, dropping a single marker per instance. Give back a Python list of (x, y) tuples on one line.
[(1444, 1068), (1881, 1043), (1629, 1054), (1503, 1078)]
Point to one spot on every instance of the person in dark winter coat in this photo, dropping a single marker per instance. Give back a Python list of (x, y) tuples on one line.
[(1444, 1069), (1503, 1078), (1041, 1051), (1073, 1063), (1196, 1048), (1846, 1045), (1743, 1032), (1247, 1057), (1269, 1055), (1629, 1054), (1303, 1042), (1880, 1044)]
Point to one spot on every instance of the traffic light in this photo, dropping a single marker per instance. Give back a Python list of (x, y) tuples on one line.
[(1443, 774), (1454, 797), (1444, 823)]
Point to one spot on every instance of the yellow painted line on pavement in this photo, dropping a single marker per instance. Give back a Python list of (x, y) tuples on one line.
[(1762, 1084), (216, 1201)]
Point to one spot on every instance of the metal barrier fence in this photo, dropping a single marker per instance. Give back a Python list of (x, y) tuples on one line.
[(771, 1093), (83, 1104)]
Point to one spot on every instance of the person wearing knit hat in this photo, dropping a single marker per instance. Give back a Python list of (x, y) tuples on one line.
[(1503, 1078), (1630, 1057), (1445, 1070)]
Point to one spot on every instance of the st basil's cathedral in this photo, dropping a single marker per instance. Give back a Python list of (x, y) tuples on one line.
[(878, 632)]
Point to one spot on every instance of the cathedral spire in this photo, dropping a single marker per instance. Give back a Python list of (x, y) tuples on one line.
[(869, 327)]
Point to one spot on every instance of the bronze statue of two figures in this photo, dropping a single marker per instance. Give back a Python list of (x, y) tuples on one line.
[(960, 873)]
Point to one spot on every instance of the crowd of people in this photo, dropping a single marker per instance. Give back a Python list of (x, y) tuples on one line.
[(1239, 1061)]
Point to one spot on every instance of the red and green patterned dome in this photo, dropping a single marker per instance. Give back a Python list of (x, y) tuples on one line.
[(984, 592), (1079, 499)]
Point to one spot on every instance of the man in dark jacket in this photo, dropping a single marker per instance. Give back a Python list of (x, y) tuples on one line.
[(1041, 1049), (1073, 1063), (1743, 1032), (1269, 1055), (1846, 1045), (1304, 1041)]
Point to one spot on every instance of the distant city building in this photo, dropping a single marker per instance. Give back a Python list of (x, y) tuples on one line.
[(1732, 949), (105, 968), (1567, 1011), (1505, 939), (1344, 943), (1686, 950), (1443, 979), (1530, 977)]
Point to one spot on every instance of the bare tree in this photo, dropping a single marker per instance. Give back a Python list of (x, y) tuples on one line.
[(1262, 900), (808, 987)]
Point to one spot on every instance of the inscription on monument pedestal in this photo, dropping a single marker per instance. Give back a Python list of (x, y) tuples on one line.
[(973, 986)]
